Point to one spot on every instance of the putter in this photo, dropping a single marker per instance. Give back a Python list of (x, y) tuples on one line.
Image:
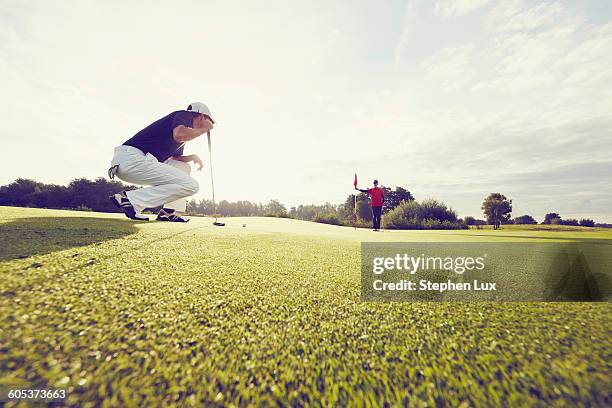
[(212, 183)]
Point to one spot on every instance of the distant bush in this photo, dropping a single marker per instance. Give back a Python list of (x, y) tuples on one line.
[(327, 219), (560, 221), (428, 214), (469, 220), (525, 220), (585, 222), (444, 225), (277, 215), (435, 210)]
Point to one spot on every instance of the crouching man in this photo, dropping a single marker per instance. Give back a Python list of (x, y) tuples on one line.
[(154, 158)]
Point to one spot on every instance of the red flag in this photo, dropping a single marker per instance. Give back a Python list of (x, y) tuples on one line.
[(355, 182)]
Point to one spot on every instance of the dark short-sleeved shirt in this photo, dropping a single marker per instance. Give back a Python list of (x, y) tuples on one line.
[(158, 138)]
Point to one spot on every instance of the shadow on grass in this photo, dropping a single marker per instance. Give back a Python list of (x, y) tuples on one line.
[(570, 277), (24, 237)]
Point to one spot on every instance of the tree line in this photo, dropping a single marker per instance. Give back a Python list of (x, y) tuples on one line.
[(79, 194), (498, 208), (400, 209)]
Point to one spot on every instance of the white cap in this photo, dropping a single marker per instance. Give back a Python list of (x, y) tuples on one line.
[(200, 107)]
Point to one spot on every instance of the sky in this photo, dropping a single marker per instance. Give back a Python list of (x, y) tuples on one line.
[(452, 100)]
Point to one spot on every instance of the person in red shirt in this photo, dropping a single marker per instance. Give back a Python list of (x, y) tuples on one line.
[(377, 199)]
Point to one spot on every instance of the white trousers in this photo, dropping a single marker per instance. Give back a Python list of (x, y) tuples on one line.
[(170, 182)]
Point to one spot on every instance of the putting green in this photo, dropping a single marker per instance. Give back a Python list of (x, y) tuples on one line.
[(141, 314)]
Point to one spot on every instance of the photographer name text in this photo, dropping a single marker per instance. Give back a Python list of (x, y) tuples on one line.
[(427, 285)]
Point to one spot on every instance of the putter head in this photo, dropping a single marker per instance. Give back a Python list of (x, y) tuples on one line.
[(219, 224)]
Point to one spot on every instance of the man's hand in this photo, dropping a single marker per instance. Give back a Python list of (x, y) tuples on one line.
[(191, 158), (182, 133), (196, 159), (207, 125)]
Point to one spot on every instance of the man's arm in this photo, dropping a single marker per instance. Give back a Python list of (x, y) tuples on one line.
[(190, 157), (185, 159), (363, 191), (182, 133)]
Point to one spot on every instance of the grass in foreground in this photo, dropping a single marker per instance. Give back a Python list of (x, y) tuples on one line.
[(145, 314)]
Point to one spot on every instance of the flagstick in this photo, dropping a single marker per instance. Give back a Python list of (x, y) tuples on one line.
[(355, 210), (355, 206)]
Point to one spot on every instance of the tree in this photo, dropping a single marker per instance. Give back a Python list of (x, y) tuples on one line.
[(275, 209), (585, 222), (393, 198), (549, 217), (346, 210), (51, 196), (16, 192), (497, 209), (364, 210), (93, 194), (223, 208), (308, 212), (80, 193), (525, 220), (192, 206)]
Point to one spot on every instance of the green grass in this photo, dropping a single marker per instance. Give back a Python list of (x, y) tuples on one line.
[(142, 314), (544, 227)]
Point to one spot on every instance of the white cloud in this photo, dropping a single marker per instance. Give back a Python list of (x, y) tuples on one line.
[(550, 58), (411, 14), (521, 15), (451, 8), (452, 67)]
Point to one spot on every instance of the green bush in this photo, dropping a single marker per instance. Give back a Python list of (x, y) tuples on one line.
[(435, 210), (428, 214), (278, 215), (572, 221), (327, 219), (469, 220), (586, 222), (525, 220)]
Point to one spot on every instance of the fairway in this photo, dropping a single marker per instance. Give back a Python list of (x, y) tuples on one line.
[(139, 314)]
